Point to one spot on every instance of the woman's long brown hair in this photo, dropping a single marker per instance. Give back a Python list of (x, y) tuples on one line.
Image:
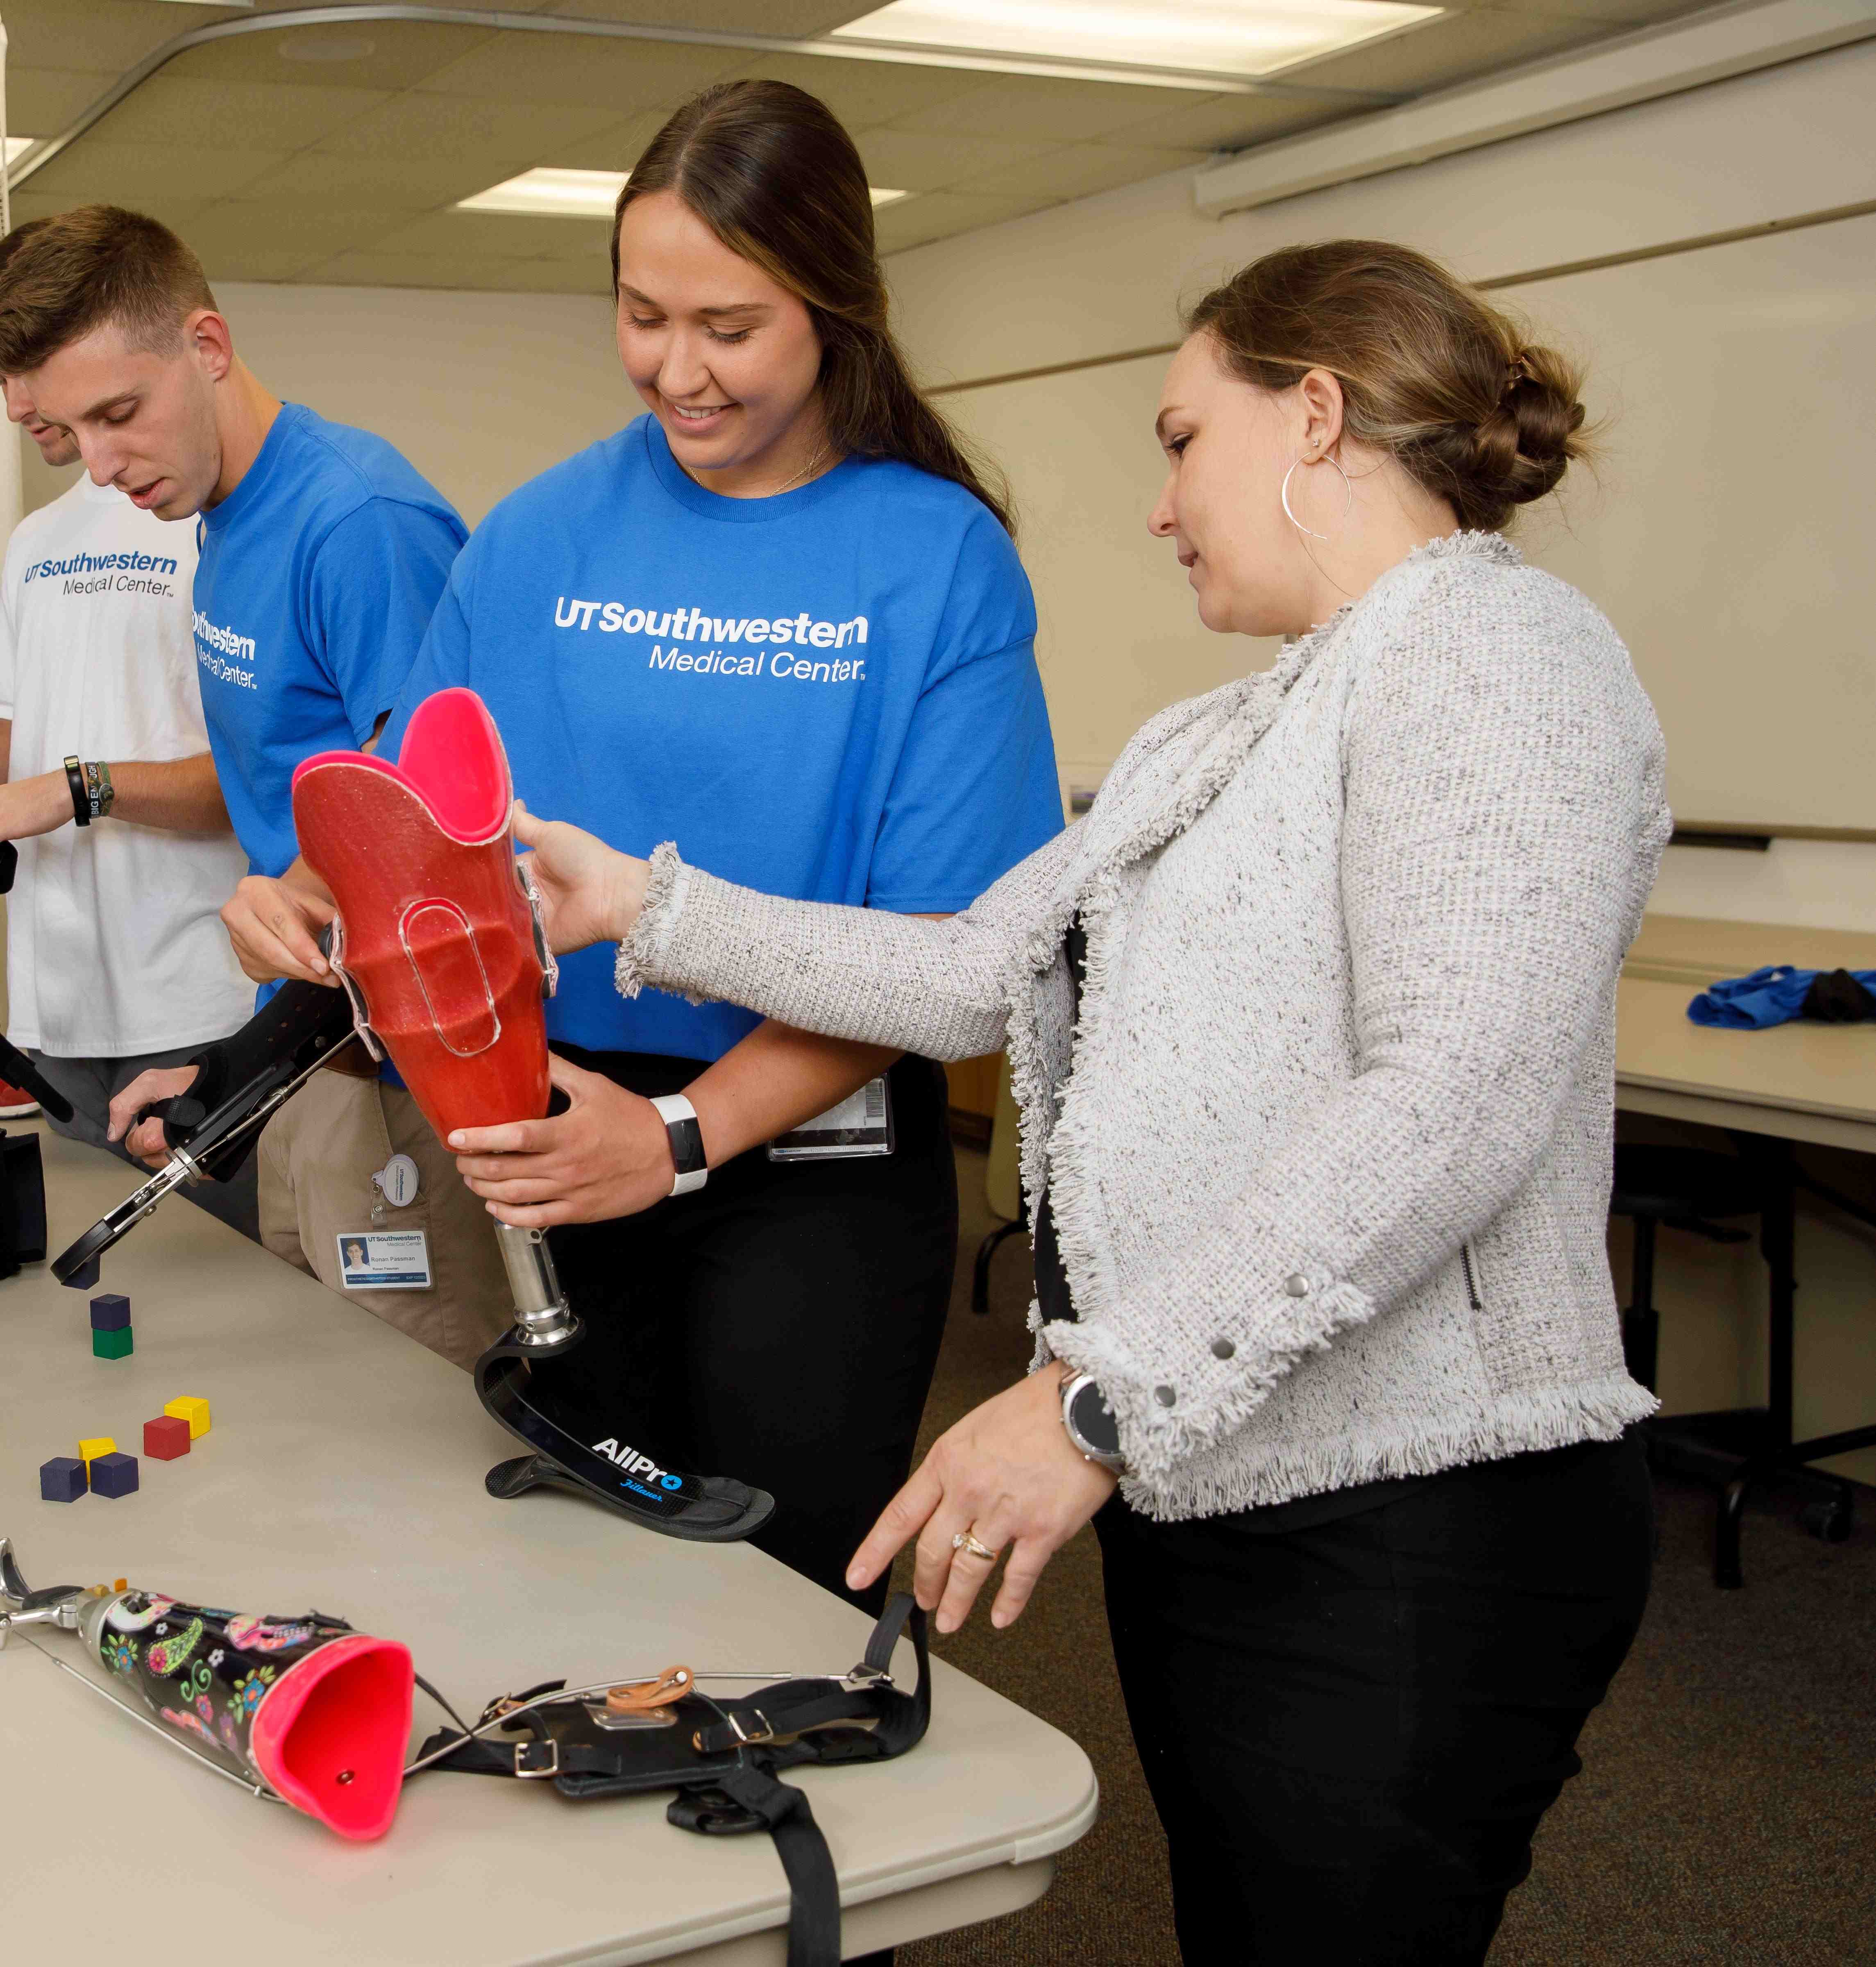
[(769, 168)]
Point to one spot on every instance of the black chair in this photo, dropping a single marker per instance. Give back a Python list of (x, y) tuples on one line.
[(1695, 1190), (988, 1248)]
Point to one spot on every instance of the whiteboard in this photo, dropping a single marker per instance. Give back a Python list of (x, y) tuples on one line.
[(1117, 634), (1730, 532), (1733, 541)]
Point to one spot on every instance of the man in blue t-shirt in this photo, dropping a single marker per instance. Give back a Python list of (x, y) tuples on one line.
[(323, 553)]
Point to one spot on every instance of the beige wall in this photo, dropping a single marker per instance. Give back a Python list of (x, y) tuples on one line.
[(481, 392), (1775, 730), (1774, 330)]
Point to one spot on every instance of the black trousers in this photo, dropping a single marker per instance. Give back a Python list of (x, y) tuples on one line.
[(781, 1325), (1351, 1728)]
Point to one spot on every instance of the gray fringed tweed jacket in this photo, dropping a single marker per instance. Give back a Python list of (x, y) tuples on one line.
[(1331, 1170)]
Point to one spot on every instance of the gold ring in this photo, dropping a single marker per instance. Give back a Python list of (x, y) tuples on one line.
[(965, 1540)]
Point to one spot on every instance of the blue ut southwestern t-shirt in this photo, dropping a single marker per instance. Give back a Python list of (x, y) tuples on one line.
[(318, 575), (830, 694)]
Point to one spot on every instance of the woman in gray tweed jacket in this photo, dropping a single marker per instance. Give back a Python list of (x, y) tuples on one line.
[(1311, 1024)]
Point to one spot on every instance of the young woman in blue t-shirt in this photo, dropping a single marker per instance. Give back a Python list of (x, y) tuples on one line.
[(780, 619)]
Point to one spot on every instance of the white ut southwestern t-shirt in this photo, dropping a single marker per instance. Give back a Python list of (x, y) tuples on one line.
[(115, 946)]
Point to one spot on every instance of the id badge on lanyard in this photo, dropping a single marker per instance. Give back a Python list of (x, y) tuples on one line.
[(861, 1125)]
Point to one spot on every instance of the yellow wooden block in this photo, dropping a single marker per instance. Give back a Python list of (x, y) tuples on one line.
[(187, 1407), (89, 1450)]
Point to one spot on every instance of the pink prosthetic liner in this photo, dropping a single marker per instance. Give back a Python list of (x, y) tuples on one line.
[(319, 1713)]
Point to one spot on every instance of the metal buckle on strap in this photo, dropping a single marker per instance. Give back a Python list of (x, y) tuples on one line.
[(536, 1759), (747, 1738)]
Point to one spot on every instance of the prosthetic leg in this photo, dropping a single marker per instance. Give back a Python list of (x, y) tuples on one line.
[(439, 943), (304, 1709)]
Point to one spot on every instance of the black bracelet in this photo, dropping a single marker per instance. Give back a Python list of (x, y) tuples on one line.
[(81, 799)]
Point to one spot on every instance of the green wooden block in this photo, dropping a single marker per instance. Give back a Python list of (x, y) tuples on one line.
[(111, 1345)]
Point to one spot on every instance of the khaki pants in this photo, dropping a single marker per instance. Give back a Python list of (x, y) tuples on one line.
[(317, 1159)]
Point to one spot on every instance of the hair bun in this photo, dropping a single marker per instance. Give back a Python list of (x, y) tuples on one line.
[(1526, 442), (1431, 373)]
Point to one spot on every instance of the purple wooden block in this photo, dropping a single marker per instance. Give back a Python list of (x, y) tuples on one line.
[(110, 1312), (114, 1475), (61, 1480)]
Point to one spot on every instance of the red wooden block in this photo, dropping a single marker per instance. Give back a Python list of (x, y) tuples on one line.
[(166, 1437)]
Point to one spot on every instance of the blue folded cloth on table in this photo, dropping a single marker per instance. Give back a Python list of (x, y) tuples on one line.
[(1775, 995)]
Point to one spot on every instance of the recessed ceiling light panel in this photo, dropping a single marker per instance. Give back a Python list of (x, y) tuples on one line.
[(1228, 37), (549, 192)]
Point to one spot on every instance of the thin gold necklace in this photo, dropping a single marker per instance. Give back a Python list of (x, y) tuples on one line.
[(813, 466), (806, 471)]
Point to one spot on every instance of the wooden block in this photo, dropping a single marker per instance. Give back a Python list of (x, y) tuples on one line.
[(166, 1438), (114, 1475), (112, 1344), (94, 1446), (62, 1480), (188, 1407), (110, 1312)]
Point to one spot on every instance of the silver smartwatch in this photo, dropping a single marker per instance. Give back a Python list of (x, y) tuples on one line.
[(1090, 1422), (686, 1139)]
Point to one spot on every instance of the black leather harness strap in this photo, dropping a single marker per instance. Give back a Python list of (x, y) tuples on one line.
[(722, 1760), (814, 1892)]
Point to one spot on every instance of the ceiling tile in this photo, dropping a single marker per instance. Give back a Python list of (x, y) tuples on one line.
[(1617, 13), (508, 6), (939, 214), (1453, 49), (42, 101), (128, 173), (468, 235), (1047, 108), (382, 270), (908, 160), (616, 75), (177, 213), (234, 227), (503, 136), (407, 183), (579, 240), (258, 263), (97, 36), (1233, 122), (1077, 170), (725, 17), (462, 275), (205, 115), (615, 148), (393, 54), (864, 93), (551, 276)]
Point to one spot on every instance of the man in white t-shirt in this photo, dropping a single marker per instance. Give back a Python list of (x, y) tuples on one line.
[(117, 959)]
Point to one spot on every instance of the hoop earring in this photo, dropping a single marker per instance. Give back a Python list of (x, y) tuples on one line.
[(1348, 495)]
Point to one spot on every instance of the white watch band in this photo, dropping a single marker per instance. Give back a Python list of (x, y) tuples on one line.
[(686, 1138)]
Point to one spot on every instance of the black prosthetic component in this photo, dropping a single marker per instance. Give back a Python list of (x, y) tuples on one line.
[(211, 1130), (577, 1445), (296, 1026)]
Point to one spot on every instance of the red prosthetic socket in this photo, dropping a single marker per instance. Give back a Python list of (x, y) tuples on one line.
[(436, 936)]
